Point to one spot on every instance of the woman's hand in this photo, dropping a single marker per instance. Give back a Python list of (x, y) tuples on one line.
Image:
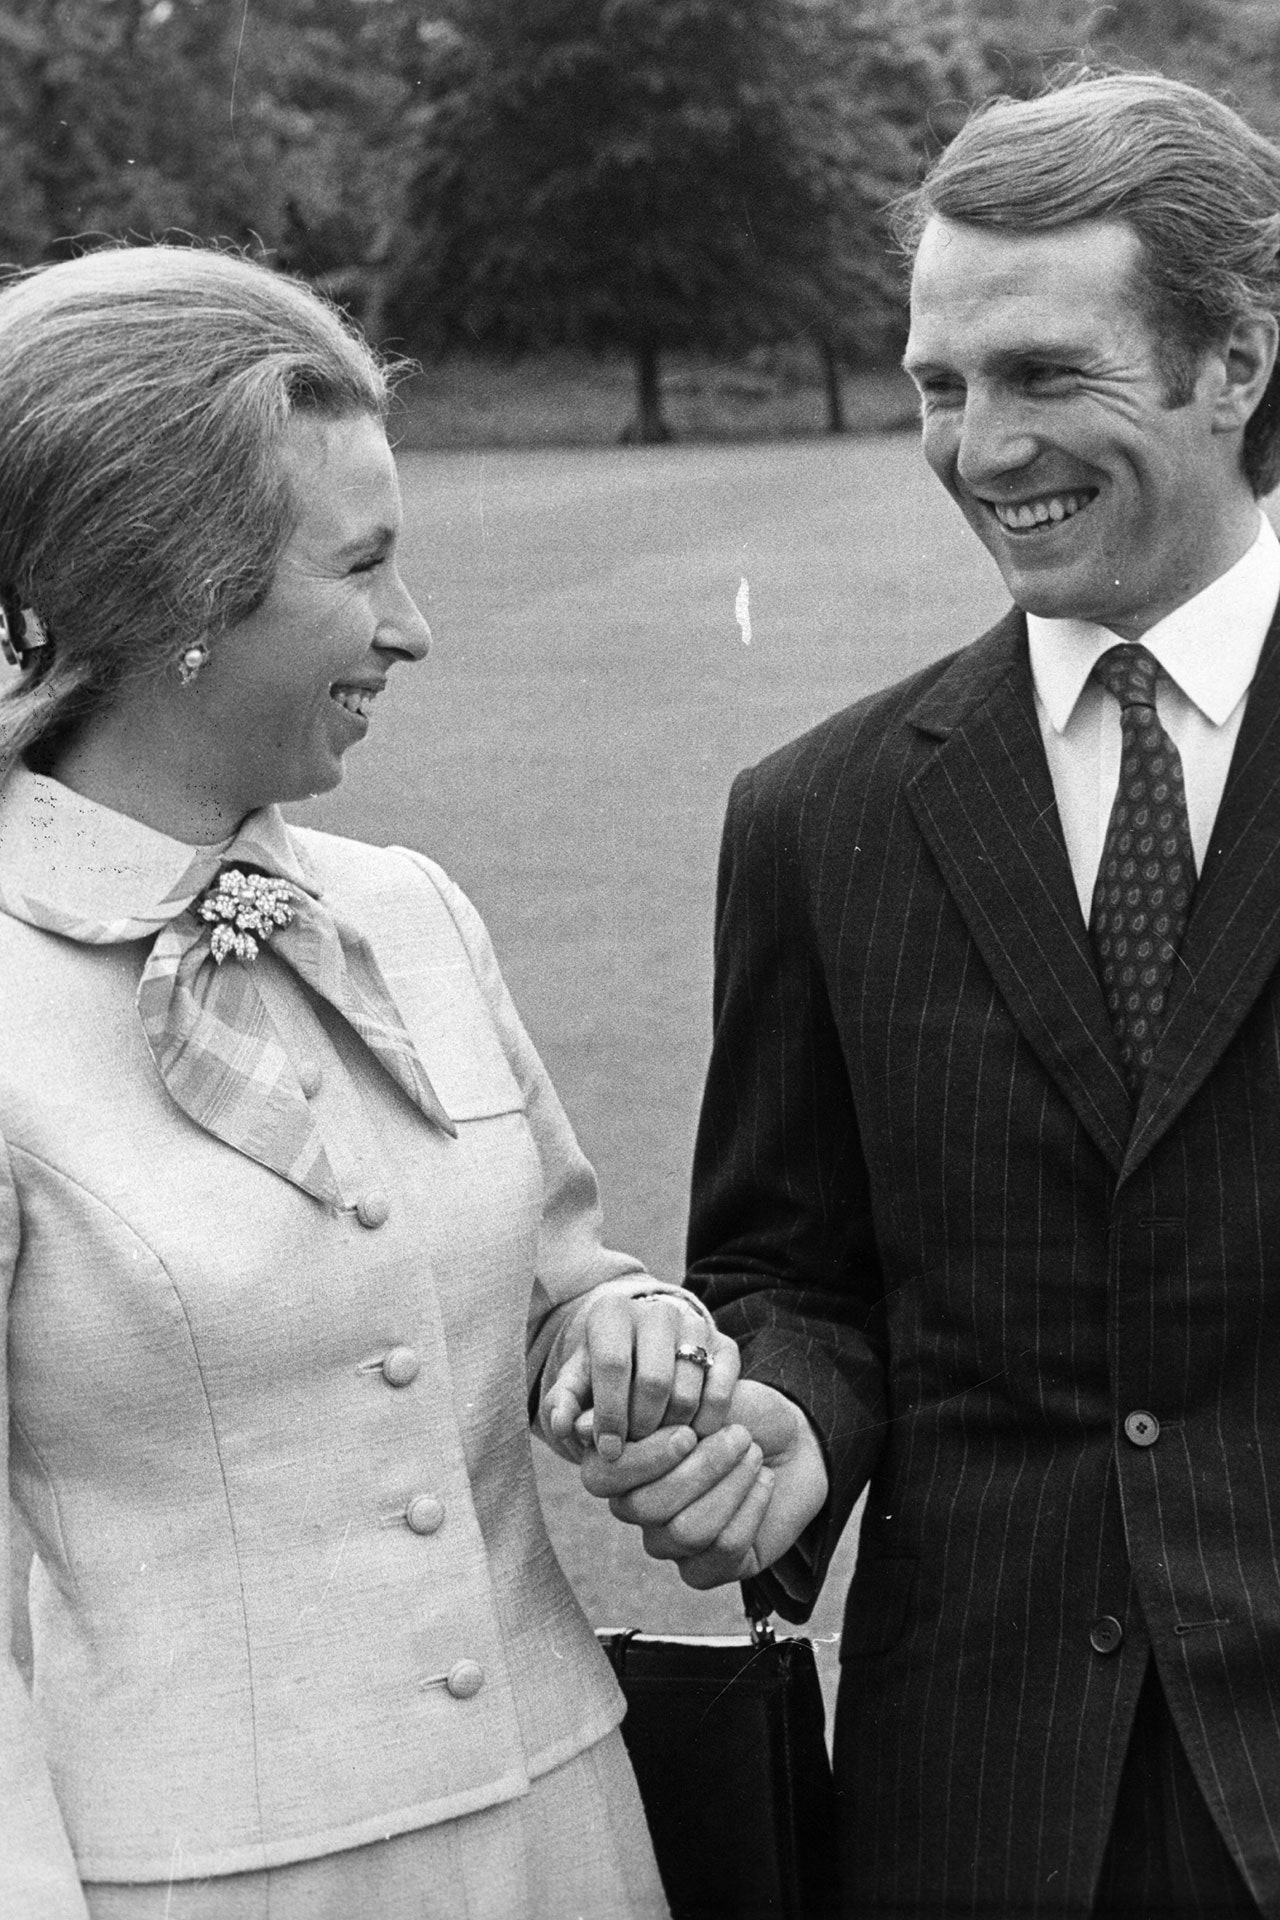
[(644, 1361)]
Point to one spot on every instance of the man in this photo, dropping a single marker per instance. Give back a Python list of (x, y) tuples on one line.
[(988, 1177)]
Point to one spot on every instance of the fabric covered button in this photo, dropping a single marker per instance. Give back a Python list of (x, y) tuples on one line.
[(425, 1513), (401, 1366), (1106, 1635), (310, 1077), (373, 1209), (1142, 1427), (465, 1679)]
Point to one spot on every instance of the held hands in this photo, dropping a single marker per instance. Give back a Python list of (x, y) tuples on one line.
[(726, 1505), (644, 1362)]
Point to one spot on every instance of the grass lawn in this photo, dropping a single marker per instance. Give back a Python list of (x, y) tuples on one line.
[(566, 398), (566, 752)]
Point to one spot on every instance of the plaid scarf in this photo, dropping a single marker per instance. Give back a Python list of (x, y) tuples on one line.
[(214, 1042)]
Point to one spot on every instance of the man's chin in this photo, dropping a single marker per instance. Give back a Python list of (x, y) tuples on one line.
[(1053, 595)]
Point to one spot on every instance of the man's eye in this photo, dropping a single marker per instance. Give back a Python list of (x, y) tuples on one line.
[(940, 393), (368, 565), (1051, 377)]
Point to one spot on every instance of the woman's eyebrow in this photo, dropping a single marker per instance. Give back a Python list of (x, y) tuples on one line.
[(377, 539)]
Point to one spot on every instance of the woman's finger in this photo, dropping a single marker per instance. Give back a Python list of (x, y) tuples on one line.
[(610, 1351), (657, 1334), (718, 1384), (569, 1394)]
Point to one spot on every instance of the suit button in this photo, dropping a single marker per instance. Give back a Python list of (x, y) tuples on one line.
[(374, 1208), (310, 1077), (401, 1366), (1105, 1635), (465, 1679), (424, 1513), (1142, 1427)]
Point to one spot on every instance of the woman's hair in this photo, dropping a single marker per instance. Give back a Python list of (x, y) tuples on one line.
[(144, 394), (1196, 183)]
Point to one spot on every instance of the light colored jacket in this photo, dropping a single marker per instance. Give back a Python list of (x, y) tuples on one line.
[(293, 1590)]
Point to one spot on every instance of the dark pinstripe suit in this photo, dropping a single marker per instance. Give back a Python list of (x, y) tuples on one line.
[(920, 1203)]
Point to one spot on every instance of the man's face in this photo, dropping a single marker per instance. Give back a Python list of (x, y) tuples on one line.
[(1045, 417)]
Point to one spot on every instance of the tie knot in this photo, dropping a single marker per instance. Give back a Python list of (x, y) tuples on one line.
[(1128, 672)]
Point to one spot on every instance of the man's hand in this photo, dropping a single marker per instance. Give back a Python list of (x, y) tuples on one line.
[(627, 1376), (726, 1506)]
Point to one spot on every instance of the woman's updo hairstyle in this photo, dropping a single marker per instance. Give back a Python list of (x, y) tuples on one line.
[(144, 393)]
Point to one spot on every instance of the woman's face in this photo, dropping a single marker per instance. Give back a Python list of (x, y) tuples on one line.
[(287, 691)]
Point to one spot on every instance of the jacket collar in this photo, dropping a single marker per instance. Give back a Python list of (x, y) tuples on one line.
[(79, 869), (985, 804)]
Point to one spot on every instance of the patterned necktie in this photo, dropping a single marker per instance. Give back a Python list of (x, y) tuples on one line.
[(1147, 871)]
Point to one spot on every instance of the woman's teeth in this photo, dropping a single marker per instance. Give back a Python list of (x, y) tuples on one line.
[(1040, 513), (357, 700)]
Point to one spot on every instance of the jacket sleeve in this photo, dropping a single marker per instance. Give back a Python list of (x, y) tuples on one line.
[(38, 1878), (573, 1265), (781, 1239)]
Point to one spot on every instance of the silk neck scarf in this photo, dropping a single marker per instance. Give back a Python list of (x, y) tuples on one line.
[(79, 870)]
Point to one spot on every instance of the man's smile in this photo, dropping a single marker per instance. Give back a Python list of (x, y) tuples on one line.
[(1047, 509)]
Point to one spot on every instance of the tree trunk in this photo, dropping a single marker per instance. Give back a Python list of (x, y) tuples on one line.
[(836, 422), (647, 428)]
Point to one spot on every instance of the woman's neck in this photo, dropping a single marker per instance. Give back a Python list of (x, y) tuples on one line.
[(149, 774)]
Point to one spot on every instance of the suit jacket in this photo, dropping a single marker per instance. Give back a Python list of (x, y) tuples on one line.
[(287, 1598), (923, 1205)]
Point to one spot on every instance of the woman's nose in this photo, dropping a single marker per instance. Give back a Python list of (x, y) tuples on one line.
[(404, 630)]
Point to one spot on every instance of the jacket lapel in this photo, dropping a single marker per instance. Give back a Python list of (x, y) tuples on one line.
[(1232, 942), (985, 804)]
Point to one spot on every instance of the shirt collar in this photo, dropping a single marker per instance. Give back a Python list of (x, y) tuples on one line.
[(80, 869), (1209, 646)]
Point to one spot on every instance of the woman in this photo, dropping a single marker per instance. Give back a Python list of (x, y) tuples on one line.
[(292, 1225)]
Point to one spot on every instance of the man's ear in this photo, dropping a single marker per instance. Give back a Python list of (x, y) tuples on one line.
[(1245, 361)]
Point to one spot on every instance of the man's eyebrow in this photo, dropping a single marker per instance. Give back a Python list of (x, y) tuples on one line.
[(1032, 353)]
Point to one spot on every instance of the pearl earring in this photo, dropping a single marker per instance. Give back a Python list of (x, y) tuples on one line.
[(191, 661)]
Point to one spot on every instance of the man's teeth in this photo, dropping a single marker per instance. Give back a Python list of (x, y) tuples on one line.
[(357, 700), (1040, 513)]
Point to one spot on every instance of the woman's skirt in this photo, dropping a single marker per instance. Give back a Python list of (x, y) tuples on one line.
[(575, 1847)]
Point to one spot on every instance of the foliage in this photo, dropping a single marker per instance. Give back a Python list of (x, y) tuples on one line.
[(649, 174), (140, 117), (665, 173), (1229, 47)]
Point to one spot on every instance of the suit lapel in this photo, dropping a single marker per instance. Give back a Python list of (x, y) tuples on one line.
[(985, 804), (1232, 942)]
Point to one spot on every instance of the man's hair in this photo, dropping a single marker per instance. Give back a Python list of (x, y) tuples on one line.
[(144, 503), (1196, 183)]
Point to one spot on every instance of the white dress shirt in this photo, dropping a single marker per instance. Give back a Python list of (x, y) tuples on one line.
[(1208, 652)]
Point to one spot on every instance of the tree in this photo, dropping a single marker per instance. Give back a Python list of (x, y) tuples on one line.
[(883, 88), (652, 174), (140, 118)]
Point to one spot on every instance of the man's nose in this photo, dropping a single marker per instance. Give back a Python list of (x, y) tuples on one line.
[(995, 440)]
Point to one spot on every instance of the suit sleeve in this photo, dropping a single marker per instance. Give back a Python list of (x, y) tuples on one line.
[(38, 1877), (781, 1240)]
